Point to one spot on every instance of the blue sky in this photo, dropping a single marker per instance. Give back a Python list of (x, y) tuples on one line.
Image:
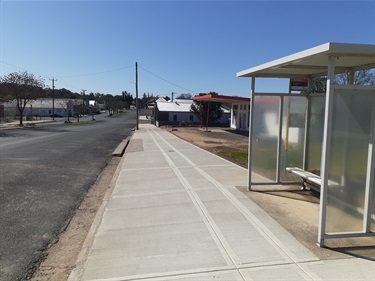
[(180, 46)]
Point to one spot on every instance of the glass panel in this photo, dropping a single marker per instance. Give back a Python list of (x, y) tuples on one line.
[(264, 138), (293, 136), (348, 159), (314, 149)]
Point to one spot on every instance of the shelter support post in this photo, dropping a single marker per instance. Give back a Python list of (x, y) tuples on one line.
[(251, 113), (208, 114), (326, 151), (200, 111)]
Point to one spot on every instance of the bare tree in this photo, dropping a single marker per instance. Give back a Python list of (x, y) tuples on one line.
[(361, 77), (22, 87)]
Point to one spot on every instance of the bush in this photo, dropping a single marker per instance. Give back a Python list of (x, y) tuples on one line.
[(183, 124)]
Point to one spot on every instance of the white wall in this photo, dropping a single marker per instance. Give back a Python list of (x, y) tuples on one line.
[(240, 116)]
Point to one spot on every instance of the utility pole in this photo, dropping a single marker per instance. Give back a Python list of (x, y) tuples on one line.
[(136, 94), (83, 94), (53, 97)]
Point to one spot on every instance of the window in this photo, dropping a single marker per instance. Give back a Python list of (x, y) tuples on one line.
[(191, 118), (174, 117)]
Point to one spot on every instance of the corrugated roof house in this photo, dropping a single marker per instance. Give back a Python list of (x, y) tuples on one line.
[(46, 107), (173, 113)]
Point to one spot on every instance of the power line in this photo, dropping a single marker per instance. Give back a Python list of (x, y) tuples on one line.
[(11, 65), (23, 69), (96, 73), (167, 80)]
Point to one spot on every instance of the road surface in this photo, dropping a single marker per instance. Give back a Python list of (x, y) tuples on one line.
[(45, 173)]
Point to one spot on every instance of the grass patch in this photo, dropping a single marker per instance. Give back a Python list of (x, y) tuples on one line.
[(238, 156)]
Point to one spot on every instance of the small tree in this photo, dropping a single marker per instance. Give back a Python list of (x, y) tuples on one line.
[(318, 85), (22, 87), (213, 109)]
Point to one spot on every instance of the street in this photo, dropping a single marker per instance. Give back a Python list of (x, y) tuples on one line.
[(45, 173)]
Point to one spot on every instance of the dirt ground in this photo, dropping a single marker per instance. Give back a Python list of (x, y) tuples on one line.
[(215, 140), (295, 209)]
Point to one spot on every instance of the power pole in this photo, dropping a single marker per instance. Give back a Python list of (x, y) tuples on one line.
[(136, 94), (53, 97), (83, 91)]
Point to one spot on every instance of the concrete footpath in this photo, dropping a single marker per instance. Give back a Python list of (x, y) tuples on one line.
[(175, 214)]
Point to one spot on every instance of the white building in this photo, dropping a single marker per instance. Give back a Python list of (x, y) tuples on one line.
[(46, 107)]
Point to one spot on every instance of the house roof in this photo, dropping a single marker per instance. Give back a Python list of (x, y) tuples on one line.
[(174, 106), (220, 98), (314, 61)]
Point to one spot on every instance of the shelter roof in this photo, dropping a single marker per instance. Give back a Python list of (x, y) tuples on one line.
[(220, 98), (314, 61)]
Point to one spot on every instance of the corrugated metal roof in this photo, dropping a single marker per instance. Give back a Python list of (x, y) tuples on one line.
[(46, 103), (178, 106), (174, 106)]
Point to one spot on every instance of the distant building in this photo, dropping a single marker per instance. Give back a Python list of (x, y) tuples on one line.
[(173, 113), (46, 107)]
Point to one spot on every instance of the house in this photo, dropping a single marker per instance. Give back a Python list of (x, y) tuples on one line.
[(173, 113)]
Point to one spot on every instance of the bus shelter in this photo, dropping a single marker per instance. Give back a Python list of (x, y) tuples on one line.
[(324, 140)]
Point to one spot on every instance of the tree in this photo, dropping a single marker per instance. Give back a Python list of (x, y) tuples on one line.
[(361, 77), (127, 98), (22, 87), (214, 110), (184, 97), (318, 85)]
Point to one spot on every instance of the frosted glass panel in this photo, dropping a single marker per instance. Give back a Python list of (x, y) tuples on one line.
[(314, 149), (350, 139), (264, 137), (293, 136)]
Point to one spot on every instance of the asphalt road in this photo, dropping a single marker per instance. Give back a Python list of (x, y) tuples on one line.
[(45, 173)]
